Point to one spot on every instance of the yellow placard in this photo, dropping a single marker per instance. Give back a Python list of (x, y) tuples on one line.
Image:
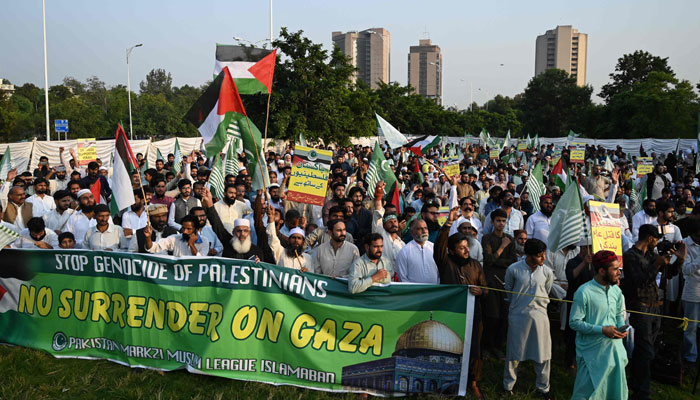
[(451, 169), (522, 145), (577, 153), (493, 154), (443, 213), (645, 165), (308, 182), (605, 227), (87, 151)]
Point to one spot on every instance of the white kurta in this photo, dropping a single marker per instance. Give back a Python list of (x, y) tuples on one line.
[(42, 205), (416, 264), (528, 323), (179, 247), (284, 260), (25, 241), (56, 221), (391, 246), (537, 227)]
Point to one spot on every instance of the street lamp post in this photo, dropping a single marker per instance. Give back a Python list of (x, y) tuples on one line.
[(46, 74), (128, 87)]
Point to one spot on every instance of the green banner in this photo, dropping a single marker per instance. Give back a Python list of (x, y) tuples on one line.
[(235, 319)]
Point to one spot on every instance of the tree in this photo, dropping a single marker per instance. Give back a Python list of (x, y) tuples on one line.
[(552, 104), (631, 69), (158, 82), (77, 87)]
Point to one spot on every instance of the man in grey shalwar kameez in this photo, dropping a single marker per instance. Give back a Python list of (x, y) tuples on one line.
[(528, 323)]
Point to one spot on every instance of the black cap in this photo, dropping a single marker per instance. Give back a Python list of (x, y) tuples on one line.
[(647, 230)]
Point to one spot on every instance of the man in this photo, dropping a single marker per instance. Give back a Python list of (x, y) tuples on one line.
[(230, 209), (456, 267), (187, 243), (387, 225), (360, 222), (292, 255), (642, 266), (463, 226), (135, 217), (93, 176), (482, 195), (58, 217), (158, 216), (215, 246), (664, 222), (322, 234), (514, 218), (36, 236), (66, 240), (657, 182), (18, 211), (499, 253), (556, 261), (43, 169), (646, 216), (466, 205), (415, 262), (579, 270), (334, 257), (371, 268), (528, 323), (520, 239), (464, 187), (597, 185), (41, 201), (183, 203), (82, 220), (159, 196), (104, 235), (691, 292), (597, 316), (537, 226), (338, 193), (275, 198)]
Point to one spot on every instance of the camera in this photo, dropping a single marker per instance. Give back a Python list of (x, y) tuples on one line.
[(665, 247)]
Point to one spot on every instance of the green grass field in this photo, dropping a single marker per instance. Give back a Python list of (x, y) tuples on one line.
[(31, 374)]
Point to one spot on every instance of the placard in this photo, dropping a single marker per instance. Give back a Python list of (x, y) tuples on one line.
[(311, 169), (577, 154), (645, 165), (451, 169), (493, 154), (87, 151), (605, 227)]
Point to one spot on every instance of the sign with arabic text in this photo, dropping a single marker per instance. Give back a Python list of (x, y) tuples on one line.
[(645, 165), (605, 227), (577, 153)]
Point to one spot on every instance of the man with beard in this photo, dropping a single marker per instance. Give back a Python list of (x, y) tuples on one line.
[(60, 180), (597, 185), (537, 226), (322, 234), (18, 211), (664, 222), (158, 216), (597, 315), (187, 243), (458, 268), (42, 202), (499, 253), (464, 186), (429, 214), (93, 176), (528, 323), (514, 218), (230, 209), (183, 203), (198, 190), (58, 217), (464, 226), (292, 255), (84, 219), (647, 215), (338, 190), (275, 199), (135, 217), (466, 206), (371, 268), (657, 182), (36, 236), (360, 223), (386, 224), (334, 257), (415, 262), (73, 188), (159, 196), (105, 235), (520, 239)]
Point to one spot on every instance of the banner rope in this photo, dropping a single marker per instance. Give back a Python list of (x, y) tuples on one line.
[(683, 325)]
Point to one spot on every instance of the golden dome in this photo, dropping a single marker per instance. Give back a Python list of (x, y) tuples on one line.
[(430, 335)]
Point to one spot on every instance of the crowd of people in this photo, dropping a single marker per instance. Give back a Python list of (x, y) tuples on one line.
[(494, 238)]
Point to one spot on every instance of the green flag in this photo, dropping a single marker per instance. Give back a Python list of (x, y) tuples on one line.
[(567, 225), (159, 155), (177, 161), (379, 170), (232, 166), (5, 164), (535, 186), (216, 178)]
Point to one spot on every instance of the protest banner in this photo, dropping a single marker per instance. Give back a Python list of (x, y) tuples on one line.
[(645, 165), (87, 151), (522, 145), (556, 155), (605, 227), (451, 169), (237, 319), (577, 153), (309, 177), (443, 213), (493, 154)]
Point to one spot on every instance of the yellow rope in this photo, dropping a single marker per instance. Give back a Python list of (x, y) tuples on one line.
[(684, 320)]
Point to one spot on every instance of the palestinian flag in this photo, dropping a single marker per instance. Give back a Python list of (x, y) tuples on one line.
[(251, 68), (561, 178), (422, 145), (219, 109), (124, 163), (96, 190), (417, 171)]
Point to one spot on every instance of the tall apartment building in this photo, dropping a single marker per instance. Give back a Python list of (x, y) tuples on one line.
[(369, 51), (425, 69), (564, 48)]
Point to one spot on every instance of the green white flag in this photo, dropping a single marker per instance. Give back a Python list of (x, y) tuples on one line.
[(7, 236), (567, 224), (177, 161), (535, 186), (379, 170), (5, 164), (506, 141), (609, 166), (216, 178), (159, 155), (232, 165)]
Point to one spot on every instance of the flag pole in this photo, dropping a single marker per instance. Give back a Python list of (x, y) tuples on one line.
[(267, 117)]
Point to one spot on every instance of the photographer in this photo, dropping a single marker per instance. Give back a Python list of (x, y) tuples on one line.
[(642, 266), (671, 235)]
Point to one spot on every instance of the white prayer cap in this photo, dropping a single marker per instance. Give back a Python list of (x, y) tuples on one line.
[(103, 168), (297, 231), (241, 222), (274, 185), (83, 192), (456, 224)]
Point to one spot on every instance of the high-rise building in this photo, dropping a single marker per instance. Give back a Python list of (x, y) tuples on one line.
[(564, 48), (425, 69), (369, 51)]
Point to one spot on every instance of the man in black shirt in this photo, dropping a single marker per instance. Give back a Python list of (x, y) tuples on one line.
[(642, 266), (578, 271)]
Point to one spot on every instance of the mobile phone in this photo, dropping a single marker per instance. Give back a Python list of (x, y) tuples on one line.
[(624, 328)]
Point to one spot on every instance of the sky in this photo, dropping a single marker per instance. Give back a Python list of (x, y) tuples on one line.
[(86, 38)]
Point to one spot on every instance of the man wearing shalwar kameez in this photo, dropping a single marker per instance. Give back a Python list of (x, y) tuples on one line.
[(596, 315), (528, 323)]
